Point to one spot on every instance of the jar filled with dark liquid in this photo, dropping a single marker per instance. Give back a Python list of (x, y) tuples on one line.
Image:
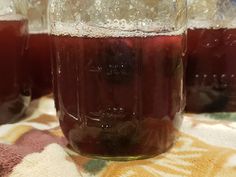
[(14, 90), (211, 73), (38, 48), (118, 75)]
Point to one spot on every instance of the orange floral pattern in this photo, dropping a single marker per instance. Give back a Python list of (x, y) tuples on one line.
[(193, 155)]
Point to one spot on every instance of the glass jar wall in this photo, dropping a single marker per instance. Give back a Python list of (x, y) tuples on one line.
[(14, 88), (38, 46), (118, 74), (211, 74)]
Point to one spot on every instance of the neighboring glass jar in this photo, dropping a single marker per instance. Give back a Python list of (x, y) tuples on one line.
[(14, 90), (38, 48), (211, 71), (118, 69)]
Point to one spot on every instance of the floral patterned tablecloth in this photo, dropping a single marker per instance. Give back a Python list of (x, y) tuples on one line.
[(35, 147)]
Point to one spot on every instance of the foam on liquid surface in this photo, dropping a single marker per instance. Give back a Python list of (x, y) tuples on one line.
[(39, 32), (11, 17), (83, 30), (204, 24)]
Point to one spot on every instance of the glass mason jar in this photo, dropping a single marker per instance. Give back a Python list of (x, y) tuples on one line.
[(118, 74), (211, 73), (14, 91), (38, 47)]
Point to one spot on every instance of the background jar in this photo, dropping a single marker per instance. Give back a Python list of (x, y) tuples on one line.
[(14, 88), (38, 53), (211, 74)]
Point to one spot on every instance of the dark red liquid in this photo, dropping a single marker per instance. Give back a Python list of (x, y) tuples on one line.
[(119, 96), (14, 91), (211, 70), (39, 57)]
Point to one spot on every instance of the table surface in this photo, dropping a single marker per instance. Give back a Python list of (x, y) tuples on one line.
[(205, 148)]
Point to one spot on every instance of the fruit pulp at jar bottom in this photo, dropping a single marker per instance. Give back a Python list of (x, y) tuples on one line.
[(120, 96), (39, 60), (211, 73), (14, 91)]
